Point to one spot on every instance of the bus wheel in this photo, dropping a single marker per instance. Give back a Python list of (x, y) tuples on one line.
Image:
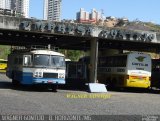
[(108, 83), (112, 84), (54, 88), (15, 82)]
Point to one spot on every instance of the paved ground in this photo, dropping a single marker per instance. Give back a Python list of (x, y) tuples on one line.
[(24, 100)]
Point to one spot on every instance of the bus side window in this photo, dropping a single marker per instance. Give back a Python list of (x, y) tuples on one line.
[(27, 60)]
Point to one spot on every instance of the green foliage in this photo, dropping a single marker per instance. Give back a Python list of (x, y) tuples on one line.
[(4, 51), (74, 55), (154, 27)]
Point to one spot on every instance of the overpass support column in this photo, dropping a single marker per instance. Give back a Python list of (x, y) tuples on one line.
[(93, 86), (93, 60)]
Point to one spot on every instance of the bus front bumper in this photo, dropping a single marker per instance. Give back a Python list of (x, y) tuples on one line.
[(138, 84), (48, 81)]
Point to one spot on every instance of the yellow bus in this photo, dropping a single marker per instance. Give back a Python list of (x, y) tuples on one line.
[(3, 65), (124, 70)]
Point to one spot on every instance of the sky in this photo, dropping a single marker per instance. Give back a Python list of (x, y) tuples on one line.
[(143, 10)]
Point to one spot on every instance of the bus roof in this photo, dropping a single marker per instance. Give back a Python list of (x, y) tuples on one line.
[(42, 52), (67, 59), (125, 54), (3, 60), (46, 52)]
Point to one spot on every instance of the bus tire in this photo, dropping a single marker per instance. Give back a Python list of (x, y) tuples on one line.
[(108, 83), (54, 88), (113, 84), (15, 82)]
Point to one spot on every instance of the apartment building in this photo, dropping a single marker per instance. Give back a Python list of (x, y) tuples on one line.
[(5, 4), (86, 17), (52, 10), (21, 6)]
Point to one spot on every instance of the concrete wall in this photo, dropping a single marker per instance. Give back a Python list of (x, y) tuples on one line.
[(8, 22), (158, 36)]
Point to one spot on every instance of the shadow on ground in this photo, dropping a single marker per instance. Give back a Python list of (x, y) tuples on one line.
[(6, 84), (136, 90), (39, 88)]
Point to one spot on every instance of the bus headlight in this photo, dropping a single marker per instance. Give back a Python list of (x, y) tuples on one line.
[(38, 74), (61, 75)]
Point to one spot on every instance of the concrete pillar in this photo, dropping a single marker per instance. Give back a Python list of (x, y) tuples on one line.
[(93, 60)]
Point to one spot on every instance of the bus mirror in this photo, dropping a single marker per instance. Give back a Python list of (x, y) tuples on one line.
[(26, 60)]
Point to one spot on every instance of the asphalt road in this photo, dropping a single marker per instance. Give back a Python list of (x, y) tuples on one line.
[(26, 100)]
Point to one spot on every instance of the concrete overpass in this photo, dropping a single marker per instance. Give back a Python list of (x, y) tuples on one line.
[(21, 31)]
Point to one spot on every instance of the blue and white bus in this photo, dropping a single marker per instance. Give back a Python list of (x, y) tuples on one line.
[(33, 67)]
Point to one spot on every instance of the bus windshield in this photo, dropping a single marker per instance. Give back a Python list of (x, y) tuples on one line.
[(48, 60), (57, 61)]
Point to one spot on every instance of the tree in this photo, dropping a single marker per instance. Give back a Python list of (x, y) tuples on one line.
[(74, 55), (4, 51)]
